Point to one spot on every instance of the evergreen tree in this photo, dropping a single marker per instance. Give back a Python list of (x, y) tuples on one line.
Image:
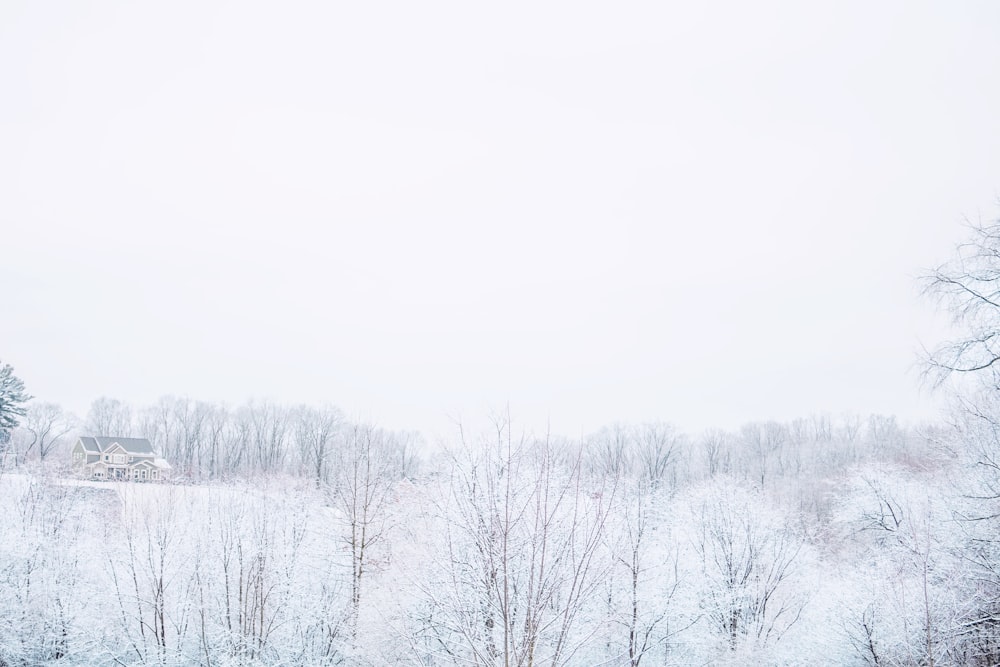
[(12, 399)]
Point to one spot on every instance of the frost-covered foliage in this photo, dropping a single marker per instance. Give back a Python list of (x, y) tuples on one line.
[(822, 541)]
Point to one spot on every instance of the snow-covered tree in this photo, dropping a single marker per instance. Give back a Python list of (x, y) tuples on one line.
[(745, 553), (360, 492), (45, 426), (110, 416), (641, 586), (12, 400), (520, 571)]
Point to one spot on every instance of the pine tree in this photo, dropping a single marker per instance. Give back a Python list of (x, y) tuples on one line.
[(12, 399)]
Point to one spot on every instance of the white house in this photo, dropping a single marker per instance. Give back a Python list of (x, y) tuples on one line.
[(105, 457)]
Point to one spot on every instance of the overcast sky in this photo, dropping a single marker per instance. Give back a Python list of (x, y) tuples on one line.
[(704, 213)]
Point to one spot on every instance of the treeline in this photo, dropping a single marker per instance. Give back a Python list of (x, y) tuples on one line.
[(212, 441)]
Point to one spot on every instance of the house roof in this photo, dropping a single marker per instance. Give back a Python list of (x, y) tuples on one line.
[(101, 443), (89, 444)]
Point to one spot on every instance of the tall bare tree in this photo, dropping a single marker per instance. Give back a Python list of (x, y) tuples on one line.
[(316, 431), (642, 585), (658, 447), (748, 555), (968, 287), (46, 425), (361, 492), (109, 416), (269, 431), (216, 421), (521, 564), (148, 575), (716, 447)]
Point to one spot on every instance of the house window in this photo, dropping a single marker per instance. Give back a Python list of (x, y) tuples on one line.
[(119, 458)]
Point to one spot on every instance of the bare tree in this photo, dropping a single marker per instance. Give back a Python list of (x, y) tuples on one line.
[(361, 491), (849, 431), (109, 416), (46, 424), (968, 286), (190, 417), (269, 430), (404, 451), (148, 575), (249, 558), (216, 422), (644, 580), (717, 449), (762, 444), (913, 541), (41, 606), (610, 452), (236, 436), (657, 449), (316, 430), (521, 566), (850, 426), (747, 555), (884, 433), (822, 427)]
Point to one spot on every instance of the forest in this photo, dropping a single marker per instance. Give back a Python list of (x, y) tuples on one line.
[(293, 535)]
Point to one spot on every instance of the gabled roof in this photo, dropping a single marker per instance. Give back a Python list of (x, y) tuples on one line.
[(89, 444), (101, 443)]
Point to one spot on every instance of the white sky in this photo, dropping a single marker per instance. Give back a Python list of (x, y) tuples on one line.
[(698, 212)]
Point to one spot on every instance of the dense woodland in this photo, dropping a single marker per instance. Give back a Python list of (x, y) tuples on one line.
[(301, 538), (295, 536)]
